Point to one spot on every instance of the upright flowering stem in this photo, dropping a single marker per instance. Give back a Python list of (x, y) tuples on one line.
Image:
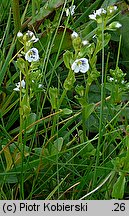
[(118, 51), (101, 109), (84, 108), (16, 18), (84, 123), (21, 116)]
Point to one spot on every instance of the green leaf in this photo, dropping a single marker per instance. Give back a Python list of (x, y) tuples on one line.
[(124, 31), (87, 50), (89, 149), (21, 64), (66, 111), (53, 96), (68, 83), (80, 90), (88, 109), (107, 38), (31, 118), (8, 158), (118, 188), (57, 146), (67, 57), (25, 106)]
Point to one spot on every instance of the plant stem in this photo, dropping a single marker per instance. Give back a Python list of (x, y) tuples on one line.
[(102, 95), (62, 97), (101, 109), (84, 123), (84, 118), (118, 52), (21, 116)]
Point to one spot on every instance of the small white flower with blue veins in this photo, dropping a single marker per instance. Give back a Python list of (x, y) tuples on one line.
[(81, 65), (32, 55)]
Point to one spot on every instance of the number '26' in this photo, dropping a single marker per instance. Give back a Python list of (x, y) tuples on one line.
[(119, 207)]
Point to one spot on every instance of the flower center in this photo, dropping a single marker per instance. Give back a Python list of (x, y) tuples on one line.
[(32, 54), (79, 63)]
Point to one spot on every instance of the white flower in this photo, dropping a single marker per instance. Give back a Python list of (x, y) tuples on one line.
[(19, 34), (70, 10), (122, 82), (22, 84), (29, 33), (114, 25), (85, 42), (96, 13), (31, 37), (32, 55), (111, 79), (100, 11), (81, 65), (115, 7), (40, 86), (118, 25), (92, 16), (74, 35)]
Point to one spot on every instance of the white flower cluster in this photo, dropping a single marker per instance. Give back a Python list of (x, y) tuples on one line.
[(96, 13), (111, 79), (101, 11), (29, 36), (32, 54), (80, 64)]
